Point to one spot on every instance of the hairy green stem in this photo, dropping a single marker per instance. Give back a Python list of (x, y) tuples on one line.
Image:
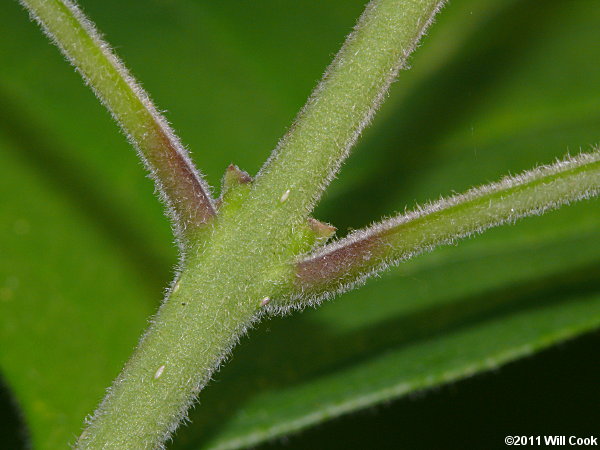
[(342, 264), (343, 103), (182, 188), (247, 256)]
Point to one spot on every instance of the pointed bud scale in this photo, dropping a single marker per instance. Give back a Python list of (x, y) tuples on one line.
[(322, 231), (311, 234), (233, 177), (235, 186)]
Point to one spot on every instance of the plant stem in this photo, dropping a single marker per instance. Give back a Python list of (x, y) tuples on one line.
[(182, 188), (252, 245), (342, 264), (250, 251), (343, 103)]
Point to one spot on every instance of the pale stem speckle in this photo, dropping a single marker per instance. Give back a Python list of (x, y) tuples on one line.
[(176, 287), (159, 372), (285, 196)]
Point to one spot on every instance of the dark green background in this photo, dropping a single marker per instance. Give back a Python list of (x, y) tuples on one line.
[(554, 393)]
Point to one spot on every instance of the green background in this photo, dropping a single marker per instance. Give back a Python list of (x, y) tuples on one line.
[(85, 252)]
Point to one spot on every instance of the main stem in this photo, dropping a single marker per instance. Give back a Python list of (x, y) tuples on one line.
[(249, 254), (343, 103)]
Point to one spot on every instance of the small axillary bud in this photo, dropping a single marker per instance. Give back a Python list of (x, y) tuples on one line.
[(323, 231), (313, 233), (234, 178)]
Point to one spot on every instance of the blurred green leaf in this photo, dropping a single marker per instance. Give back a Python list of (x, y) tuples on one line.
[(85, 253)]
